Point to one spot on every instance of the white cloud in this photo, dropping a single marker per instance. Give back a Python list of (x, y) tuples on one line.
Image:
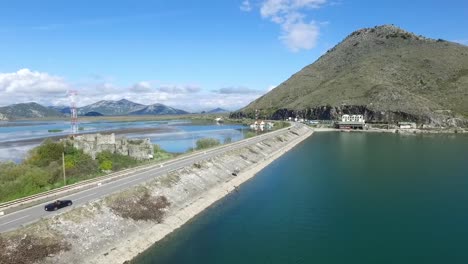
[(246, 6), (296, 32), (26, 81), (179, 89), (31, 86), (141, 87), (300, 36), (28, 86), (235, 90), (271, 87)]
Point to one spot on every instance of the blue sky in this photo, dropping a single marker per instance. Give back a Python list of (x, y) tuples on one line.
[(188, 54)]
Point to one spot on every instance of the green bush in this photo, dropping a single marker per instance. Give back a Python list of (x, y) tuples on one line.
[(205, 143), (117, 161), (106, 165), (250, 134), (45, 153)]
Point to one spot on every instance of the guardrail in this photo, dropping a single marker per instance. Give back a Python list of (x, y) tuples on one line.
[(35, 199)]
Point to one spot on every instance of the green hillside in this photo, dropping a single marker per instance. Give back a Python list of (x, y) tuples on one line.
[(385, 73)]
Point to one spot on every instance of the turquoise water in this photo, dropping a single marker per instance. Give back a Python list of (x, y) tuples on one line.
[(339, 198)]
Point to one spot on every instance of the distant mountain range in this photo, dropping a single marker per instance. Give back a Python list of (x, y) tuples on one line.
[(104, 107), (158, 109), (27, 110), (112, 108), (217, 111), (385, 73)]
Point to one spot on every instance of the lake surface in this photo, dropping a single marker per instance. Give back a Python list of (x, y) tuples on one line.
[(175, 136), (339, 198)]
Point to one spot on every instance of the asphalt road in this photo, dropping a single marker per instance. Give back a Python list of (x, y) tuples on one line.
[(32, 214)]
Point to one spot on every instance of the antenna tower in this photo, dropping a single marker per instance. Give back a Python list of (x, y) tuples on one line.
[(73, 112)]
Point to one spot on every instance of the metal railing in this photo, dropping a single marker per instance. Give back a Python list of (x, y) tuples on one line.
[(73, 188)]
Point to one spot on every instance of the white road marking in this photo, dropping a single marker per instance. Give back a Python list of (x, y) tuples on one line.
[(14, 220), (84, 197)]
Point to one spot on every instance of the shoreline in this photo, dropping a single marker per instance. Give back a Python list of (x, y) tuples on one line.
[(395, 131), (123, 131), (139, 242)]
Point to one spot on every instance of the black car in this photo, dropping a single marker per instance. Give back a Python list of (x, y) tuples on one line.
[(57, 205)]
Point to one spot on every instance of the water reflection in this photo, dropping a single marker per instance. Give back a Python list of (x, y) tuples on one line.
[(176, 136)]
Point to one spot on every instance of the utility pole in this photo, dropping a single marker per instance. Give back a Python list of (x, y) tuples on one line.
[(193, 141), (63, 163)]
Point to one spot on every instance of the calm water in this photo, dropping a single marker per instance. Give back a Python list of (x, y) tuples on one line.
[(339, 198), (182, 136)]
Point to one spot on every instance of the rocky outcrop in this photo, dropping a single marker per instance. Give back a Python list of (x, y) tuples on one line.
[(441, 118), (92, 144), (3, 117)]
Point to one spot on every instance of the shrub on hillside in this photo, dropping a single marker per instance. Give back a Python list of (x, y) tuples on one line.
[(45, 153), (205, 143), (115, 161)]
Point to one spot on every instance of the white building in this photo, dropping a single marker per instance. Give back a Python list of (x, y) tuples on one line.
[(352, 118)]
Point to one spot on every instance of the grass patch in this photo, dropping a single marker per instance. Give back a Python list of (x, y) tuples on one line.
[(205, 143), (55, 130)]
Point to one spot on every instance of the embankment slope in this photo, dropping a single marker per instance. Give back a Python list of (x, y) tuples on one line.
[(104, 231)]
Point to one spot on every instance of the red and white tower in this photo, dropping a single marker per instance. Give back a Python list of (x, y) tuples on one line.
[(73, 112)]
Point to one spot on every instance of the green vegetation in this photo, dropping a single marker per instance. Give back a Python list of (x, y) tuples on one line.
[(160, 154), (55, 130), (250, 134), (379, 70), (281, 124), (111, 161), (205, 143), (42, 169)]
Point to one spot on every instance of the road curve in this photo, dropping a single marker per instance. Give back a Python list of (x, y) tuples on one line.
[(32, 214)]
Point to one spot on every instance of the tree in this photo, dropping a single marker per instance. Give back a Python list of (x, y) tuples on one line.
[(45, 153)]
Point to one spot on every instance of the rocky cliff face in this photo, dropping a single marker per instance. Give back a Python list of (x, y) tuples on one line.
[(436, 119), (385, 73)]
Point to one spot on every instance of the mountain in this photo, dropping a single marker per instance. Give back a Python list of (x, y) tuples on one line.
[(385, 73), (217, 111), (93, 114), (121, 107), (28, 110), (158, 109), (61, 108)]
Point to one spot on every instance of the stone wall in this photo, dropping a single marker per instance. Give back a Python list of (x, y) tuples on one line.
[(92, 144)]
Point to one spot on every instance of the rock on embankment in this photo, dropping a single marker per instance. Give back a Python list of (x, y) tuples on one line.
[(105, 231)]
